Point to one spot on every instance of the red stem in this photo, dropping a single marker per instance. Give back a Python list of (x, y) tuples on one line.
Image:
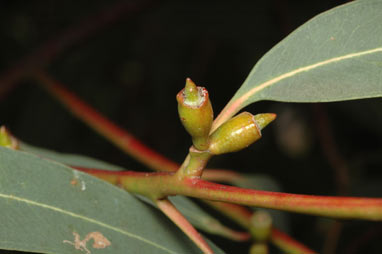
[(336, 207), (105, 127), (288, 244), (167, 184), (164, 184)]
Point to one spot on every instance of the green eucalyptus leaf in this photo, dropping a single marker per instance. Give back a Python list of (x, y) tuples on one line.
[(47, 207), (335, 56)]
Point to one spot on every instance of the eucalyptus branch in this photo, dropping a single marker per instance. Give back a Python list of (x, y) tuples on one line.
[(160, 185)]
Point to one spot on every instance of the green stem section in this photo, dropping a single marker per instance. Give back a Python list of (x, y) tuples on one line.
[(161, 185), (194, 164)]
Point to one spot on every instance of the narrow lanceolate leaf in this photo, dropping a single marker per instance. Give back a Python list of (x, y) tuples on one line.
[(47, 207), (333, 57)]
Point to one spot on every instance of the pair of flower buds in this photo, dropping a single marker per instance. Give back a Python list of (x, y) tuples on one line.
[(196, 115)]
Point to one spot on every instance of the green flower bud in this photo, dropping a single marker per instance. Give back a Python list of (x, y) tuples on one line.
[(196, 114), (261, 225), (239, 132), (6, 139)]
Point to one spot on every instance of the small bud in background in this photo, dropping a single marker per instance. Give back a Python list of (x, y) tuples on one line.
[(196, 114), (259, 248), (6, 139), (239, 132), (261, 225)]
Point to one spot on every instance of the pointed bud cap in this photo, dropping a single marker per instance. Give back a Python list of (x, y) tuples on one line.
[(238, 132), (191, 94), (263, 120)]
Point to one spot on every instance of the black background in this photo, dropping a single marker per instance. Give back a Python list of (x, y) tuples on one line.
[(131, 69)]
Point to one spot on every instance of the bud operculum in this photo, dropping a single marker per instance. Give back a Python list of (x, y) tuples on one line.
[(238, 132), (195, 112)]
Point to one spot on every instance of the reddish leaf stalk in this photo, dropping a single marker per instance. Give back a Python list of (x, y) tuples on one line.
[(288, 244), (173, 214), (336, 207), (105, 127)]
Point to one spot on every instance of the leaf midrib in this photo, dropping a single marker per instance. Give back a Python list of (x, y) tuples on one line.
[(82, 217), (236, 104), (305, 69)]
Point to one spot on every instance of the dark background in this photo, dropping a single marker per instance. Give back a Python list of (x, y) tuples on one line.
[(130, 69)]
